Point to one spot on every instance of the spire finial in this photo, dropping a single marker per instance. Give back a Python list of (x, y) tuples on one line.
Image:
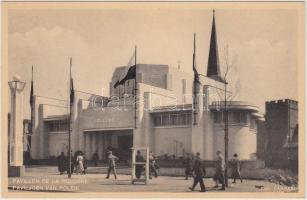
[(213, 11)]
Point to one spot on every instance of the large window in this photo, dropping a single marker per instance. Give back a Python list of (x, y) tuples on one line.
[(234, 117), (172, 119), (57, 125)]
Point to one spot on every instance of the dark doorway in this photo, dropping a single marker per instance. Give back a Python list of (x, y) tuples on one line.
[(124, 145)]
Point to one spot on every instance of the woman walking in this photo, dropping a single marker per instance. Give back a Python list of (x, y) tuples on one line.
[(80, 166)]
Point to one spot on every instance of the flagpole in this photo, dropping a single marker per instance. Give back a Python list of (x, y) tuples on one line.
[(69, 133), (31, 104), (195, 84), (135, 90)]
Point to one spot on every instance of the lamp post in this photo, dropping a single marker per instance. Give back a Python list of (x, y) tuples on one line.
[(16, 128)]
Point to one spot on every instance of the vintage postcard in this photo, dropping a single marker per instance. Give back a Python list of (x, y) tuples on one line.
[(153, 99)]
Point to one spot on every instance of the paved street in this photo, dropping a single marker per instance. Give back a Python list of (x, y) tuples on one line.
[(48, 179)]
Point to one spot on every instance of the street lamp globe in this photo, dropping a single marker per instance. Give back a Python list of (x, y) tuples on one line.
[(17, 84)]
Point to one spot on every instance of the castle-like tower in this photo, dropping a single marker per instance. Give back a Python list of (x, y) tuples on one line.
[(281, 123)]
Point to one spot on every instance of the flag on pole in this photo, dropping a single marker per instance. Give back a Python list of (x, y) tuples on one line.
[(72, 92), (196, 74), (32, 91), (129, 74)]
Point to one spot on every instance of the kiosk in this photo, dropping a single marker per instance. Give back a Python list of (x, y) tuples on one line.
[(143, 165)]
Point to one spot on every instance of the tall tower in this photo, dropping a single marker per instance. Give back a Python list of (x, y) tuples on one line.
[(213, 70)]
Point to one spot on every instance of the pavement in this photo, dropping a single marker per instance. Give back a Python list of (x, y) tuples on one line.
[(48, 179)]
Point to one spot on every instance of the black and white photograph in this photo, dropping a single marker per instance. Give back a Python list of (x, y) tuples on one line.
[(150, 99)]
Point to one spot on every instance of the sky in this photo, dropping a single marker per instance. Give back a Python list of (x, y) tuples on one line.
[(262, 44)]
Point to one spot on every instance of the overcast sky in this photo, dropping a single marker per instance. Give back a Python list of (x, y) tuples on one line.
[(264, 42)]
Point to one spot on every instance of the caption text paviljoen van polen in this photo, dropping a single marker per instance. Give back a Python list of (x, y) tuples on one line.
[(49, 184)]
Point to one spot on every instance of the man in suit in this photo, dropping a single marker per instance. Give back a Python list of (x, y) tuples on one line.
[(199, 172), (236, 169), (62, 163), (219, 176), (112, 165), (152, 165)]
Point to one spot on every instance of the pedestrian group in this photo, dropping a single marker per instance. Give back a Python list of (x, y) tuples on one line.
[(194, 167)]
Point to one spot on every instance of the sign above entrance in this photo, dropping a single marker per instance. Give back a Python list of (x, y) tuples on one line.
[(95, 119)]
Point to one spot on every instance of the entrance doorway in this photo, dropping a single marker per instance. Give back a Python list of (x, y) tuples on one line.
[(119, 141), (125, 144)]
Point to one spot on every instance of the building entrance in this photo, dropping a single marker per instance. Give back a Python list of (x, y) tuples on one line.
[(119, 141)]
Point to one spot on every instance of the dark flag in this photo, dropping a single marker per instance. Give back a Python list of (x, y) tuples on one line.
[(130, 74), (31, 127), (72, 92), (196, 74), (32, 91), (116, 84)]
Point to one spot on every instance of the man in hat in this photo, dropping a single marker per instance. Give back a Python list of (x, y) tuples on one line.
[(62, 163), (219, 176), (236, 170), (111, 164), (152, 165), (199, 172)]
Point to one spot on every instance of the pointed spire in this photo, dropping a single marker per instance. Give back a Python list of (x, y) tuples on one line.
[(213, 70)]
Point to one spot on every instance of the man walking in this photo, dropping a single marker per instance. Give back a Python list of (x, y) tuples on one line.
[(236, 170), (112, 164), (152, 165), (219, 176), (199, 172), (62, 163)]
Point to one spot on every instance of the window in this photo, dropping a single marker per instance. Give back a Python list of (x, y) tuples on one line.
[(58, 125), (243, 117), (253, 124), (234, 117), (158, 120), (165, 119), (172, 119), (218, 117)]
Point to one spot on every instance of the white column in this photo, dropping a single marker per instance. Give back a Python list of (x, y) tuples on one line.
[(100, 145), (87, 145), (16, 129), (94, 144), (105, 145)]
